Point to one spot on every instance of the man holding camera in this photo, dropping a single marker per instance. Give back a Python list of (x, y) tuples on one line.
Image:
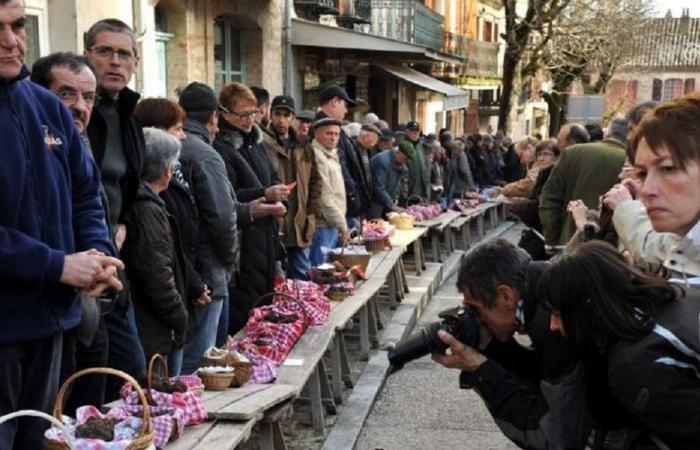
[(536, 395)]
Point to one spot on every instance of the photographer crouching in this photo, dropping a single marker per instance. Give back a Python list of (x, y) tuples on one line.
[(536, 395)]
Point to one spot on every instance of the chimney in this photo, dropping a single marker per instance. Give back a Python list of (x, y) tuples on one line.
[(685, 14)]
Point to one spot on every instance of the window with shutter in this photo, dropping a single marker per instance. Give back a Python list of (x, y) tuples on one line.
[(632, 89)]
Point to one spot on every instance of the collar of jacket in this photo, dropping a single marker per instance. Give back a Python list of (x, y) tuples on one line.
[(125, 102), (145, 192), (332, 153), (687, 248), (292, 134), (237, 137), (615, 142), (23, 73), (194, 128), (529, 294)]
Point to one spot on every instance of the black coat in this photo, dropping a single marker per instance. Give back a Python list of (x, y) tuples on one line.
[(250, 172), (217, 246), (154, 262)]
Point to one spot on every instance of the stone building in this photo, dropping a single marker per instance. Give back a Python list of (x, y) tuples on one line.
[(213, 41)]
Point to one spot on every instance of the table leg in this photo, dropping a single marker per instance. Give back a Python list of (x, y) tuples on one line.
[(417, 256), (336, 371), (435, 246), (345, 362), (480, 227), (364, 333), (317, 414)]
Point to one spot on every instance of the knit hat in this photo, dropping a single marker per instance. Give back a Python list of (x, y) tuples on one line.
[(198, 97)]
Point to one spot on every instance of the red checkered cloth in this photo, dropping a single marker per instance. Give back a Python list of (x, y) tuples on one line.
[(273, 340), (193, 382), (311, 297), (168, 422), (264, 369), (191, 405)]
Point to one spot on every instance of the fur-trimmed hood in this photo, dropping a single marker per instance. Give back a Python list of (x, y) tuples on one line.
[(236, 138)]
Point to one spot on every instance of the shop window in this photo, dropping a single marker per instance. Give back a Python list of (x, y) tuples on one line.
[(228, 53)]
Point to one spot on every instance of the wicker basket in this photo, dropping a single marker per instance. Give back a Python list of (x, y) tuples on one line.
[(402, 222), (337, 296), (243, 372), (377, 245), (412, 200), (42, 415), (142, 442), (216, 381), (149, 376)]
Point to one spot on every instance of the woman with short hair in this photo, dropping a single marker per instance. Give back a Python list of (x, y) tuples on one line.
[(153, 256)]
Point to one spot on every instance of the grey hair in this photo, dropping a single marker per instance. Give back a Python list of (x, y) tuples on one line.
[(162, 151), (113, 26), (491, 264), (578, 134), (618, 129)]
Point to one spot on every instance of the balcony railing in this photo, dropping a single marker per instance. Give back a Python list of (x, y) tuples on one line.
[(455, 44), (354, 11), (318, 6), (482, 59), (408, 21)]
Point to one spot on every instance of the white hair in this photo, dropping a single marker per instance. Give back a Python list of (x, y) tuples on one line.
[(162, 151)]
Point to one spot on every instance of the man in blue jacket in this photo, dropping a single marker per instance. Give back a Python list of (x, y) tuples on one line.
[(388, 170), (53, 236)]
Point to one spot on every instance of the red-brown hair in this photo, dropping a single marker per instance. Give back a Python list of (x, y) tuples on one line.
[(159, 112), (233, 93), (674, 126)]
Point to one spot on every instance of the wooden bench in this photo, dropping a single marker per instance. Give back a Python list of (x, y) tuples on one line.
[(439, 226)]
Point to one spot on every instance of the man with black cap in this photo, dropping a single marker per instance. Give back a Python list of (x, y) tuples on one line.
[(385, 142), (303, 124), (334, 104), (418, 174), (295, 164), (216, 204)]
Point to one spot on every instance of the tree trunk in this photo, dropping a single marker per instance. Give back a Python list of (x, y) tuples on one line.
[(510, 65), (556, 101)]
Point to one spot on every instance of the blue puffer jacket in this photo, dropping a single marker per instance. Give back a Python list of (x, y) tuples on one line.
[(49, 207)]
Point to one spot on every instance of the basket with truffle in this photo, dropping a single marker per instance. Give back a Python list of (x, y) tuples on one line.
[(376, 234), (218, 357), (91, 429), (402, 221)]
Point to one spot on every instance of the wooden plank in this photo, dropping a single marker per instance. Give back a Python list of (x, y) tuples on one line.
[(310, 348), (255, 405), (404, 238), (229, 396), (191, 436), (225, 435)]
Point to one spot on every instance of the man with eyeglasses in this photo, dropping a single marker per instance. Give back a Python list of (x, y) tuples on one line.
[(72, 79), (118, 146), (53, 238)]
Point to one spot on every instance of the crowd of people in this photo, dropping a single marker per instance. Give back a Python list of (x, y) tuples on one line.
[(130, 227)]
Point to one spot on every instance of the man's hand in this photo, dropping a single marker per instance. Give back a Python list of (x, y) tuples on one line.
[(578, 211), (120, 237), (84, 269), (616, 195), (398, 209), (277, 193), (461, 356), (278, 209), (205, 298), (344, 238)]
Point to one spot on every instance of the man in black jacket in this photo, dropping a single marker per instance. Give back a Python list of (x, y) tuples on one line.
[(118, 146), (536, 395)]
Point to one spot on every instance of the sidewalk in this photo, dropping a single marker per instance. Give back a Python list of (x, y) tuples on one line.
[(422, 407)]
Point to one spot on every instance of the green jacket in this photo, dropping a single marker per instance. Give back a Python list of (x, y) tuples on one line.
[(418, 174), (584, 172)]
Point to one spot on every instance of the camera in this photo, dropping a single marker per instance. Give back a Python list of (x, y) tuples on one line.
[(459, 322)]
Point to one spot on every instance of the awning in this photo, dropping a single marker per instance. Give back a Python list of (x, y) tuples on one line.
[(313, 34), (456, 97)]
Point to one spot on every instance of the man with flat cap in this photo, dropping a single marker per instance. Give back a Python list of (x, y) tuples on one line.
[(388, 171), (334, 104), (295, 162), (332, 227), (418, 174)]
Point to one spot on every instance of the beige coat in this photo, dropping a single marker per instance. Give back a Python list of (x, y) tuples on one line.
[(681, 256), (333, 206), (523, 187)]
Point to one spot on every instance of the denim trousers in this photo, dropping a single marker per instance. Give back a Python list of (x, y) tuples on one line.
[(298, 263), (324, 237), (125, 350), (29, 376), (201, 336), (175, 361), (222, 329)]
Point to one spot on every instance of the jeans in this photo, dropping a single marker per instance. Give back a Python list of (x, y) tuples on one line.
[(125, 350), (324, 237), (222, 329), (175, 361), (298, 263), (202, 336), (29, 375), (88, 390)]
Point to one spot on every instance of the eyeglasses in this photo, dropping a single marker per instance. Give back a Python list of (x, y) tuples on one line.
[(71, 96), (105, 51), (242, 115)]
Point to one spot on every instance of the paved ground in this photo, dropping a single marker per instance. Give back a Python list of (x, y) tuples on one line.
[(422, 407)]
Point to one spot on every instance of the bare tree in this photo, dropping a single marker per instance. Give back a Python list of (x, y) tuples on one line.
[(588, 42), (539, 17)]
